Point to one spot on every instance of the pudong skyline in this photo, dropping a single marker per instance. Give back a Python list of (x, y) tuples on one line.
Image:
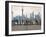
[(25, 18)]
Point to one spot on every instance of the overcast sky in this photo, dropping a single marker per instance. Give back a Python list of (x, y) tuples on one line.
[(17, 10)]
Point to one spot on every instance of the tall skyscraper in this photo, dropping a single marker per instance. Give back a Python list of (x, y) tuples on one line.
[(22, 15)]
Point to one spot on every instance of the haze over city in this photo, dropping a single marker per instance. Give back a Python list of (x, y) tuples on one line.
[(17, 10)]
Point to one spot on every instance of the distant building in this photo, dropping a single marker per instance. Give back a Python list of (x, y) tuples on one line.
[(34, 19)]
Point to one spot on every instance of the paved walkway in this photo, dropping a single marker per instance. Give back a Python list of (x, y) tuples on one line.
[(25, 27)]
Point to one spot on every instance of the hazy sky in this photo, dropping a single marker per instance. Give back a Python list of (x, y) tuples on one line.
[(17, 10)]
